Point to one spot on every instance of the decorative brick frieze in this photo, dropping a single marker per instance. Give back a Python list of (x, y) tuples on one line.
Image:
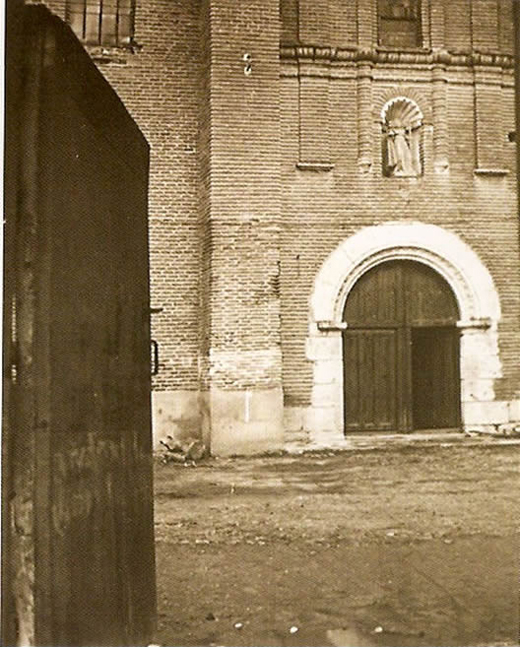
[(382, 55)]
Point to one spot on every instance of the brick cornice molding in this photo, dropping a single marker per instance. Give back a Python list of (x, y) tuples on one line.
[(394, 57)]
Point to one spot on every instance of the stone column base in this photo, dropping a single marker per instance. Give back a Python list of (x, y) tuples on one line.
[(243, 421), (175, 414), (480, 416)]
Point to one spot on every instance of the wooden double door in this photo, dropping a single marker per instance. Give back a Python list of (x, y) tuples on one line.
[(401, 351)]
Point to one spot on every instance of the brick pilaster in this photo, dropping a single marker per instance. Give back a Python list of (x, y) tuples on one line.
[(367, 23), (437, 18), (364, 115), (240, 219), (440, 118)]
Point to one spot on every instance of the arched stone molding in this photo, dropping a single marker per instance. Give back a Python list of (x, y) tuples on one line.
[(456, 262)]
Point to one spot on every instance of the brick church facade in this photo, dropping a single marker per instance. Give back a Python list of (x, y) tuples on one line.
[(333, 223)]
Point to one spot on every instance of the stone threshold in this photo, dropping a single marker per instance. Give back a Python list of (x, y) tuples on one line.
[(434, 438)]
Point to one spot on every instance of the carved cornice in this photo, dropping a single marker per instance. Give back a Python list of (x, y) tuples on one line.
[(394, 57)]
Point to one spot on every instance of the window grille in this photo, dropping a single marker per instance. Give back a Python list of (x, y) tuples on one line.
[(102, 22), (399, 23)]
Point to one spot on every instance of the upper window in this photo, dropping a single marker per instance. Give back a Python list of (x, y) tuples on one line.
[(399, 23), (102, 22)]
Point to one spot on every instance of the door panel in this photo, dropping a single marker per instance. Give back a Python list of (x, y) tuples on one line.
[(370, 380), (427, 296), (376, 298), (435, 378), (80, 451)]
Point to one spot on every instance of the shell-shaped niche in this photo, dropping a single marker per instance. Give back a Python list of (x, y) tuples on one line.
[(401, 122), (402, 111)]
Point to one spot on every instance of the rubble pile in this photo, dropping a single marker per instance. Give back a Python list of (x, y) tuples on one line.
[(187, 452)]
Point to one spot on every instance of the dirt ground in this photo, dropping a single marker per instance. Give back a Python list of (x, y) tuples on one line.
[(413, 545)]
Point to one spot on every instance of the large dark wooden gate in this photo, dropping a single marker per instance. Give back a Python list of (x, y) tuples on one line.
[(401, 351), (77, 438)]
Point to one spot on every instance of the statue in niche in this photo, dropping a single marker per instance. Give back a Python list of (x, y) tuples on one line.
[(399, 152), (401, 140)]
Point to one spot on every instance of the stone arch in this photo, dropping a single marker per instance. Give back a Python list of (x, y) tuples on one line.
[(434, 246)]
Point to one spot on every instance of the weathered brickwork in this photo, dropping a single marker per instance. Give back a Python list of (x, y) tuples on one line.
[(242, 359), (256, 178), (468, 110), (159, 85)]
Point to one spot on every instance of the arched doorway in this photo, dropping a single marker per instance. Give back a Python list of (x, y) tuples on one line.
[(401, 350)]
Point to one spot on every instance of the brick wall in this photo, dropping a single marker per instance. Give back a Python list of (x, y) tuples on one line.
[(159, 85), (458, 25), (241, 201), (238, 231), (322, 208), (241, 362), (484, 25)]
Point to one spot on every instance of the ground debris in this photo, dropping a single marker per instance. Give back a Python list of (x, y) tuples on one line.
[(187, 452), (506, 430)]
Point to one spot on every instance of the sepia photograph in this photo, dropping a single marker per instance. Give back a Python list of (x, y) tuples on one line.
[(261, 323)]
